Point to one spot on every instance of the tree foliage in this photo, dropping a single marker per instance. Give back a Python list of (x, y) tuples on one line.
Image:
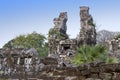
[(90, 22), (118, 36), (88, 54), (33, 40)]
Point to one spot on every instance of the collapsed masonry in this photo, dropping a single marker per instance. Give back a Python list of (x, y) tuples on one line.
[(114, 47), (48, 69), (63, 48), (13, 60)]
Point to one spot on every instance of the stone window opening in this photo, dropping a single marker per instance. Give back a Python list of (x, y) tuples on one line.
[(66, 47)]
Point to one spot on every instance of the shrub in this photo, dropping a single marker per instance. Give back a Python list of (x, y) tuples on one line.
[(86, 54)]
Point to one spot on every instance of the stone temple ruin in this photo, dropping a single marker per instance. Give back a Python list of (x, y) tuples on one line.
[(63, 47), (24, 64)]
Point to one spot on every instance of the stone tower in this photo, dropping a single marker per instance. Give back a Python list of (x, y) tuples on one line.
[(57, 33), (60, 46), (87, 35)]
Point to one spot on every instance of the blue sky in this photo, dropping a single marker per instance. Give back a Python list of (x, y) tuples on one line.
[(25, 16)]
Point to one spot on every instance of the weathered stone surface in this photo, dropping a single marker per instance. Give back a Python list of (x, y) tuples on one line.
[(114, 47), (49, 61), (60, 22), (87, 34), (50, 71)]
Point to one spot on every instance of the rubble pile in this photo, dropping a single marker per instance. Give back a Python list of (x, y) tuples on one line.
[(24, 64)]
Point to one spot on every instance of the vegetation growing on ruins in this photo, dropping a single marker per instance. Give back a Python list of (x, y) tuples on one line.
[(53, 31), (118, 36), (88, 54), (90, 22), (33, 40), (56, 33)]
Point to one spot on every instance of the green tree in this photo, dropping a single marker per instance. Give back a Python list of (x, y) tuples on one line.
[(33, 40), (118, 36), (88, 54)]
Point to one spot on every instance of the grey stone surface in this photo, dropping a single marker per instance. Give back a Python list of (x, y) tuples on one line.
[(87, 35), (60, 22)]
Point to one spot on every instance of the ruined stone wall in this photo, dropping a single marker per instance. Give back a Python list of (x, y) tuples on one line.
[(14, 60), (50, 70), (64, 51), (113, 45), (21, 64), (60, 46), (91, 71)]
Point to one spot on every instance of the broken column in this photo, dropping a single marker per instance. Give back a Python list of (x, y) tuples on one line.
[(58, 32), (60, 22), (87, 35)]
